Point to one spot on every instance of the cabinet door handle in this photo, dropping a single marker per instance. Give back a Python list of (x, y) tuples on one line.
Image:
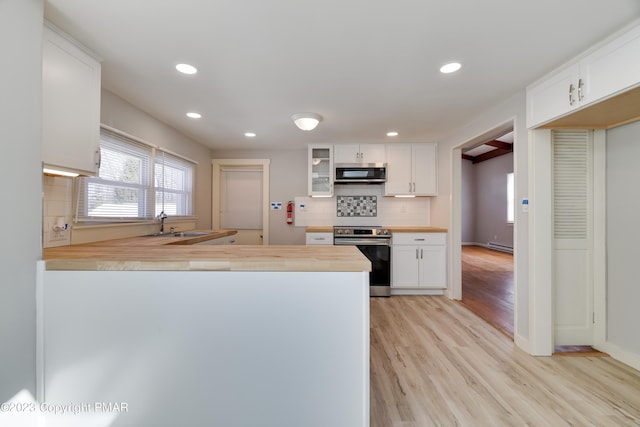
[(98, 158), (421, 254), (571, 90), (414, 187), (409, 187), (580, 92)]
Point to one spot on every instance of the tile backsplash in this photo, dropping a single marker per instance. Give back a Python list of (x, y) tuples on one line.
[(390, 211), (357, 205), (56, 211)]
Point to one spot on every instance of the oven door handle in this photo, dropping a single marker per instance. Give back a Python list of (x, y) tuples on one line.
[(361, 242)]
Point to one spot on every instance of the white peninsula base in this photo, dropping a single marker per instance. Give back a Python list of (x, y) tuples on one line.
[(204, 348)]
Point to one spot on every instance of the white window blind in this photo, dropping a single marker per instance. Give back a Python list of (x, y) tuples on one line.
[(135, 183), (174, 185), (122, 190)]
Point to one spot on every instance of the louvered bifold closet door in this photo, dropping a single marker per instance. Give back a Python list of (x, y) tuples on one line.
[(573, 224)]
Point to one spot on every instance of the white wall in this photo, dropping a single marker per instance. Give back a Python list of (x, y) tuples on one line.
[(512, 110), (485, 195), (119, 114), (21, 171), (623, 235)]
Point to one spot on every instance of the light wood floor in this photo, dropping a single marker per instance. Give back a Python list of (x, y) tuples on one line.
[(435, 363), (487, 286)]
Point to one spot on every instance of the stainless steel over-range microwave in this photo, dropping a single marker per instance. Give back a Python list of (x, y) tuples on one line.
[(360, 173)]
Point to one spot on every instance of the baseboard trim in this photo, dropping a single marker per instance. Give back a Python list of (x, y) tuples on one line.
[(620, 354)]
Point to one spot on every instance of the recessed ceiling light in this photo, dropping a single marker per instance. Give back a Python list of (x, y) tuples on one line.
[(193, 115), (250, 135), (451, 67), (186, 69), (392, 133)]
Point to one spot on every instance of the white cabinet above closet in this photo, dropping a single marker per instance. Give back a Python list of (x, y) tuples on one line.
[(608, 70)]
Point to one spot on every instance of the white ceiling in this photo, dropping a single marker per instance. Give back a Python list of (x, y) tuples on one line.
[(367, 66)]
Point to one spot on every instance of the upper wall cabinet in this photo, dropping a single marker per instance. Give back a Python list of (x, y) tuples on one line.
[(359, 153), (320, 170), (70, 104), (606, 71), (412, 170)]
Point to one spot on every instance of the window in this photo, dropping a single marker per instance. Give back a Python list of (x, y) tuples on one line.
[(174, 185), (135, 183), (511, 203)]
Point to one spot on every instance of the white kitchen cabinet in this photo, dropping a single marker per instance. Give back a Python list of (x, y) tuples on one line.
[(227, 240), (359, 153), (320, 170), (314, 238), (419, 261), (412, 170), (608, 70), (70, 104)]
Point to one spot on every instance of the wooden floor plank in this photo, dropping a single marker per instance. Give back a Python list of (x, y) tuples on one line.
[(487, 286), (435, 363)]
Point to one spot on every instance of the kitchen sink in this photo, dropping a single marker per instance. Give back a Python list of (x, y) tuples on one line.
[(182, 234)]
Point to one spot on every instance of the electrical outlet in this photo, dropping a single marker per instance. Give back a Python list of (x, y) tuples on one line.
[(55, 233)]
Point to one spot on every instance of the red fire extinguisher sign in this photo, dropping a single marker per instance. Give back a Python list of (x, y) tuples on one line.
[(290, 213)]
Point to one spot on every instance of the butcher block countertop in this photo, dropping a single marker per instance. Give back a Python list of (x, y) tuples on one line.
[(416, 229), (179, 254)]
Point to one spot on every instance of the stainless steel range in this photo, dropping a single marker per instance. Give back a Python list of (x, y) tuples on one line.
[(375, 243)]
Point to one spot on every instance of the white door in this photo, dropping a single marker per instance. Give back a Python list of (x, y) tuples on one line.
[(573, 236), (241, 203)]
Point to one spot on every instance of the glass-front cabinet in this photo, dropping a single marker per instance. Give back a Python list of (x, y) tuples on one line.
[(320, 167)]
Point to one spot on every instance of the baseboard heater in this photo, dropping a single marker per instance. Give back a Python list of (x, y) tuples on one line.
[(500, 247)]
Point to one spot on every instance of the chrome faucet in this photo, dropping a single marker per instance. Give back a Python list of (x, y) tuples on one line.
[(161, 218)]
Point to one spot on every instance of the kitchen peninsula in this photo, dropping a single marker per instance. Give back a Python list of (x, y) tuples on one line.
[(205, 335)]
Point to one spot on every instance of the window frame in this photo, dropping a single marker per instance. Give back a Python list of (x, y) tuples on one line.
[(511, 198)]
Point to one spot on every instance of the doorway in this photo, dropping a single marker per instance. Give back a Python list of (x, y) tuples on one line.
[(499, 233), (240, 191), (488, 215)]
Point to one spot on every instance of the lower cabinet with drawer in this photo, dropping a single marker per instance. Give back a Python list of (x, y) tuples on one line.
[(227, 240), (319, 238), (419, 261)]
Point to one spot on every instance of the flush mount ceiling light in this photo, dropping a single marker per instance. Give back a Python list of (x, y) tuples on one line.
[(186, 69), (394, 133), (451, 67), (306, 121), (250, 135), (193, 115)]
